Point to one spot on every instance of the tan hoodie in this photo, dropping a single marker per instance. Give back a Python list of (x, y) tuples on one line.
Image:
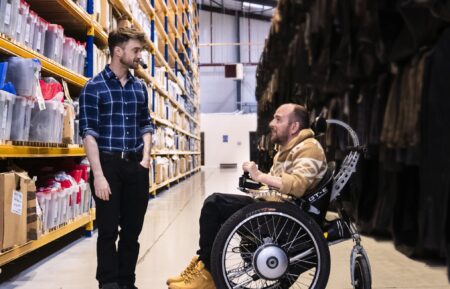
[(301, 164)]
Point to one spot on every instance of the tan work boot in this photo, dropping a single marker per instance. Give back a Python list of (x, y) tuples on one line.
[(199, 278), (185, 273)]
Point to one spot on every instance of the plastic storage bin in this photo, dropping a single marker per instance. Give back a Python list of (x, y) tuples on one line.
[(44, 197), (9, 10), (22, 72), (83, 4), (20, 124), (54, 38), (39, 35), (59, 123), (6, 109), (30, 26), (53, 208), (80, 58), (24, 10), (46, 124), (70, 58)]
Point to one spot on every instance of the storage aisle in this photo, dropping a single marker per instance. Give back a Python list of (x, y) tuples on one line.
[(169, 240)]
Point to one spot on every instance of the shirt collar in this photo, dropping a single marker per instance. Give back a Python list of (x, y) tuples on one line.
[(109, 74)]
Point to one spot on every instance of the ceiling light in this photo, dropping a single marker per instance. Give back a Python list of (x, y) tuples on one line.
[(256, 6)]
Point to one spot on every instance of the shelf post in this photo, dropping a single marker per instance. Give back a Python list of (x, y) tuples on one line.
[(90, 43)]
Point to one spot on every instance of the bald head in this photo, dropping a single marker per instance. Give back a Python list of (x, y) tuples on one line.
[(297, 113)]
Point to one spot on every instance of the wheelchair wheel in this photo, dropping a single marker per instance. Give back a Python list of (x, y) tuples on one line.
[(269, 245), (363, 279)]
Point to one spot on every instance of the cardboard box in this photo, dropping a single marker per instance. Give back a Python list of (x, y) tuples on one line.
[(105, 14), (34, 214), (69, 124), (183, 164), (159, 174), (13, 209)]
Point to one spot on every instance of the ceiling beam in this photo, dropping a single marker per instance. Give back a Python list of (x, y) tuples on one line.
[(232, 12)]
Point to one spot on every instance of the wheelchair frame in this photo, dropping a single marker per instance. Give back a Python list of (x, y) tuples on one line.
[(339, 181)]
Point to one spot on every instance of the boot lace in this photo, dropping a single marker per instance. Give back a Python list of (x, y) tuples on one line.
[(186, 274)]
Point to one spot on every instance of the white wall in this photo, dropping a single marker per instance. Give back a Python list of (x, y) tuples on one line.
[(237, 127)]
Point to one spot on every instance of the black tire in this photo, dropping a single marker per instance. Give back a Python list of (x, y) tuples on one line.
[(299, 234), (363, 278)]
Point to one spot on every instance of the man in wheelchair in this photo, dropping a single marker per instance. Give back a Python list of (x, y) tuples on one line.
[(299, 165)]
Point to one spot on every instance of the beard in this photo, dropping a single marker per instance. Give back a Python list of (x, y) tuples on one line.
[(277, 138), (131, 64)]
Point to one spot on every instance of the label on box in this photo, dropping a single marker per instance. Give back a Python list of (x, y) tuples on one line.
[(27, 33), (17, 201), (38, 209), (39, 96), (66, 91), (56, 49), (5, 114), (19, 25), (8, 13), (39, 39)]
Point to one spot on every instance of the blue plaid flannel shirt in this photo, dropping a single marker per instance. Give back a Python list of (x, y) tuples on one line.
[(116, 116)]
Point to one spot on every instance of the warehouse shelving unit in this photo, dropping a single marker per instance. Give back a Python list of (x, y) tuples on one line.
[(81, 24), (19, 251)]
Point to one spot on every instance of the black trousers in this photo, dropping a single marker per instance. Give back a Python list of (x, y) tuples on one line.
[(216, 209), (129, 184)]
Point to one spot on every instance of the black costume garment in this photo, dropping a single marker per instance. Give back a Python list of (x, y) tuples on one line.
[(435, 168)]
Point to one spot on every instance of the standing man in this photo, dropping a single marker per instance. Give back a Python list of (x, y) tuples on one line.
[(116, 129)]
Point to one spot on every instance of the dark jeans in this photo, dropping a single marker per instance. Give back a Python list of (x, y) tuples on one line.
[(216, 209), (129, 184)]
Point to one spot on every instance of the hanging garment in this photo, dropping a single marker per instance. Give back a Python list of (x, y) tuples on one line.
[(435, 154)]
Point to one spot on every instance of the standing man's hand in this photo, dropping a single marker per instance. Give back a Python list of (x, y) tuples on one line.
[(146, 162), (102, 190), (252, 169)]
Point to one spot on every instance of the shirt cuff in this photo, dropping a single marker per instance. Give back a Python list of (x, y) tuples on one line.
[(90, 132), (147, 129)]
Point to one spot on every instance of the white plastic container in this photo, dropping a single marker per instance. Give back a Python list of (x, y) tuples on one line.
[(81, 55), (45, 123), (83, 4), (6, 110), (30, 26), (54, 38), (59, 123), (44, 202), (85, 196), (9, 10), (22, 15), (65, 204), (73, 201), (53, 208), (20, 123), (39, 35), (69, 55), (23, 73)]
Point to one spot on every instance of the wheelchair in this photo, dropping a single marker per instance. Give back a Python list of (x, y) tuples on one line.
[(280, 245)]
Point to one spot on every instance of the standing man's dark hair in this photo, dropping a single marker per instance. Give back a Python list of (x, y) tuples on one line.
[(116, 129), (122, 35)]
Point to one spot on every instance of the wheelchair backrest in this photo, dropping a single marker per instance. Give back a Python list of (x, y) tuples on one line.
[(316, 201)]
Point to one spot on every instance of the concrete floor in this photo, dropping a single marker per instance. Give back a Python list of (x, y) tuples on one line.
[(170, 237)]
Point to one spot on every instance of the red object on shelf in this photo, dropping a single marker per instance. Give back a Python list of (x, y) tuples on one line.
[(76, 174), (85, 172), (50, 89)]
